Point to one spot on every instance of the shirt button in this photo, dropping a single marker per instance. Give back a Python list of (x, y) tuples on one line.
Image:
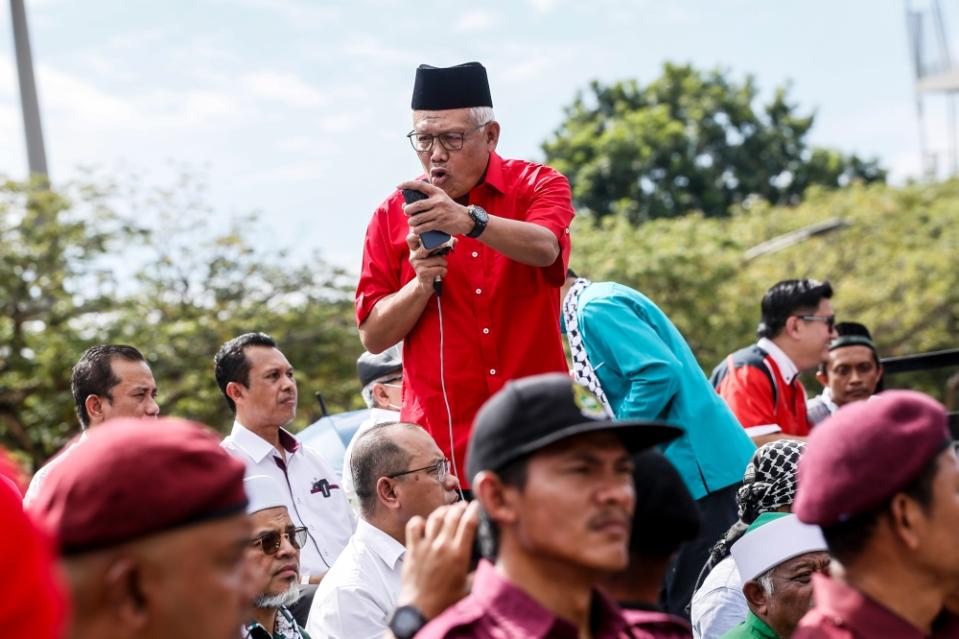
[(485, 331), (475, 254), (479, 291), (492, 371)]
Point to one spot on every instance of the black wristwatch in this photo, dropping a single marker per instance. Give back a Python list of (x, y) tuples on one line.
[(480, 220), (406, 622)]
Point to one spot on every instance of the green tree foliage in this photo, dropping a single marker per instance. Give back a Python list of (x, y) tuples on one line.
[(894, 266), (73, 274), (691, 141)]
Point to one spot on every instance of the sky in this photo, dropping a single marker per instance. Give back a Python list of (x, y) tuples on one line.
[(298, 108)]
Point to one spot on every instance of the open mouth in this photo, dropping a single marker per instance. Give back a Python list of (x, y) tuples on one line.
[(438, 175)]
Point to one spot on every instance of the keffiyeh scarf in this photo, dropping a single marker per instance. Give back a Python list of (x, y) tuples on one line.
[(583, 371), (770, 479)]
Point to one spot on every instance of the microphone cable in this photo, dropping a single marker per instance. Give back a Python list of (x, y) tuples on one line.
[(438, 287)]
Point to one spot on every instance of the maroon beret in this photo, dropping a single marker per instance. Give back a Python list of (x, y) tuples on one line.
[(133, 477), (867, 452)]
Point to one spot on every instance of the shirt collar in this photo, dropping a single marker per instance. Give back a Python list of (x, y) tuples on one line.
[(385, 547), (257, 447), (497, 594), (827, 400), (383, 415), (760, 627), (865, 616), (786, 366), (494, 174)]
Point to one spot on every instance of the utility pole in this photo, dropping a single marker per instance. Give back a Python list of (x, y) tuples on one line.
[(36, 155)]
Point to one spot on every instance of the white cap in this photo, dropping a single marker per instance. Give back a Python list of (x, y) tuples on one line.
[(263, 492), (773, 543)]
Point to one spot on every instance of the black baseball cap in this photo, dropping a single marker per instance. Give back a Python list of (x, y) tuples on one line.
[(532, 413)]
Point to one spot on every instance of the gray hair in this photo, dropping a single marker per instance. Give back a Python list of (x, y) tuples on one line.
[(766, 581), (376, 455), (278, 601), (482, 115), (367, 393)]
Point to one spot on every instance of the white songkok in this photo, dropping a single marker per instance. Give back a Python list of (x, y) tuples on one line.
[(772, 539)]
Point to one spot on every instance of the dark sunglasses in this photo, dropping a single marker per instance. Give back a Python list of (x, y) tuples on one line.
[(270, 541)]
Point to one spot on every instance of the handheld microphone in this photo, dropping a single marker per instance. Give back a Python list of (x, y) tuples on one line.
[(436, 242)]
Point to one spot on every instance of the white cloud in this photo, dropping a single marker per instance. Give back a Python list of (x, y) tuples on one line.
[(476, 21), (287, 88), (527, 70), (293, 172), (544, 6), (81, 102), (371, 48)]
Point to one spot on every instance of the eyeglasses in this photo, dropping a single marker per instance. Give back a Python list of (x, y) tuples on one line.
[(423, 142), (830, 320), (441, 469), (270, 541)]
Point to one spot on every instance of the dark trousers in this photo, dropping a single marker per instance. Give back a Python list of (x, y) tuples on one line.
[(718, 512)]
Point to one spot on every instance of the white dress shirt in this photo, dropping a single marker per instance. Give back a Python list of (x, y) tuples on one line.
[(315, 497), (377, 416), (719, 605), (41, 475), (358, 595)]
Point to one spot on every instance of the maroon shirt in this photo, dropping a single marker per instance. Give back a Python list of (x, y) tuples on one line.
[(500, 317), (496, 609), (845, 613)]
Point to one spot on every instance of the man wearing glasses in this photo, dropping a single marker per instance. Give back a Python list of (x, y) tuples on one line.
[(495, 316), (399, 473), (761, 382), (275, 554)]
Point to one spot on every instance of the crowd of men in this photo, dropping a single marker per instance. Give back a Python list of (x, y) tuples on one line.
[(494, 490)]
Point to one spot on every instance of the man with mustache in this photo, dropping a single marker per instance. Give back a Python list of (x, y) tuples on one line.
[(275, 554), (491, 302), (852, 372), (260, 388), (556, 489), (109, 381), (399, 474)]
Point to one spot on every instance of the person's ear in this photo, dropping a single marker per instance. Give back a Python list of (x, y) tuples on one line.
[(755, 596), (907, 520), (491, 132), (234, 391), (823, 378), (94, 405), (125, 596), (497, 499), (381, 397), (387, 494), (791, 328)]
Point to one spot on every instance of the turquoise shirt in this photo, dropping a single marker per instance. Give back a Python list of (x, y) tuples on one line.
[(648, 371)]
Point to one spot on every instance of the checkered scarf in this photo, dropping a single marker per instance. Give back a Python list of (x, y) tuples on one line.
[(770, 479), (583, 371)]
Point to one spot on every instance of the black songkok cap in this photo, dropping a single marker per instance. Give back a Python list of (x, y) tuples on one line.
[(852, 334), (459, 87), (531, 413)]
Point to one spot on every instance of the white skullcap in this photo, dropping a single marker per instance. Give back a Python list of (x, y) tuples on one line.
[(263, 492), (773, 539)]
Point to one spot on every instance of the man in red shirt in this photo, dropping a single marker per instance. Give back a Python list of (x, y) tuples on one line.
[(761, 382), (495, 318)]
